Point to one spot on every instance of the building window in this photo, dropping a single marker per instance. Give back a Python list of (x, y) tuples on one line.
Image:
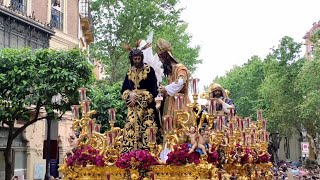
[(14, 34), (19, 5), (311, 48), (20, 163), (57, 15), (84, 8), (311, 51)]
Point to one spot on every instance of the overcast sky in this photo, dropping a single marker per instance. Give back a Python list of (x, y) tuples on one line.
[(231, 31)]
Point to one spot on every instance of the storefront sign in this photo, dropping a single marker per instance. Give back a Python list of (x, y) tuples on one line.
[(305, 149)]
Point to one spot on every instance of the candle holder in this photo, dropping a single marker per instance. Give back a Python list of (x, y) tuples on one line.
[(111, 125), (264, 146), (231, 113), (259, 114), (232, 128), (259, 124), (82, 94), (112, 117), (97, 128), (152, 134), (179, 101), (195, 99), (238, 136), (85, 105), (220, 135), (110, 139), (212, 110), (108, 176), (248, 131), (264, 124), (75, 112), (91, 126), (211, 121), (232, 140), (152, 146), (152, 176), (194, 86)]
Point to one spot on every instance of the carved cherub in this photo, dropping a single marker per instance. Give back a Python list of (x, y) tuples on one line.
[(197, 139), (73, 140)]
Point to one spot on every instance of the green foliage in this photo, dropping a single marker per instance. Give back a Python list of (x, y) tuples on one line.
[(106, 96), (277, 91), (308, 84), (33, 77), (270, 84), (30, 79), (243, 83), (179, 40), (118, 22)]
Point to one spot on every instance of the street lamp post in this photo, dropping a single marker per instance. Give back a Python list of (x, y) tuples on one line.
[(55, 100), (304, 134), (48, 148)]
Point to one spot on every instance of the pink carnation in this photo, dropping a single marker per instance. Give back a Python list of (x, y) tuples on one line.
[(181, 156), (84, 155), (142, 160)]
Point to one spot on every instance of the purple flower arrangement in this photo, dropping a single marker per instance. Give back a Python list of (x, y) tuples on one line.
[(181, 156), (245, 158), (137, 159), (85, 155)]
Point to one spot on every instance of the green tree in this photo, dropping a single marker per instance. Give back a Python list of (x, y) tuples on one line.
[(277, 94), (118, 22), (104, 97), (308, 85), (29, 80), (269, 85), (279, 98)]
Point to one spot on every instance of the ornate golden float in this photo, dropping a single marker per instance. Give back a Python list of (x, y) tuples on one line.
[(238, 148)]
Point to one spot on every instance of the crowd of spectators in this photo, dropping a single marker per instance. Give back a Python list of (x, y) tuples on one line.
[(308, 170)]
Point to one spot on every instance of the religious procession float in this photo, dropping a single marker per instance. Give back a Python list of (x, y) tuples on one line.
[(226, 147)]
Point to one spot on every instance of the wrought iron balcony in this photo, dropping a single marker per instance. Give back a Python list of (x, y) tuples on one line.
[(86, 20), (85, 11), (19, 5), (56, 19)]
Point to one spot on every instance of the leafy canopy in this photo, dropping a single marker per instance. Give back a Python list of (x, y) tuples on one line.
[(34, 77)]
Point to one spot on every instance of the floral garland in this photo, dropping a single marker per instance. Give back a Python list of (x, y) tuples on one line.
[(181, 156), (141, 160)]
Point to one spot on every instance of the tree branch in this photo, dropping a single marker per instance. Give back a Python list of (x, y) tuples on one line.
[(35, 119)]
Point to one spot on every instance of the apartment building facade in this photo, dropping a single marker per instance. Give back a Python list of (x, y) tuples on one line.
[(308, 43), (58, 24)]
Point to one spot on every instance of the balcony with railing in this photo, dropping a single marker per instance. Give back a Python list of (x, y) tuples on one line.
[(19, 5), (56, 19), (86, 20)]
